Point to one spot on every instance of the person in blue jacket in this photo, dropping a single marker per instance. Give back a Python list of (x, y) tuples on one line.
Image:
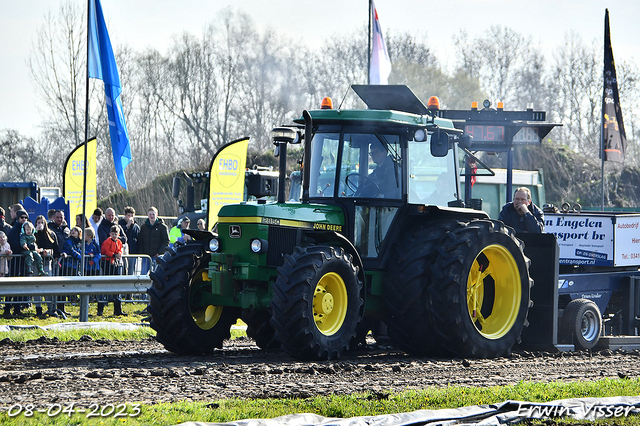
[(91, 252), (521, 214)]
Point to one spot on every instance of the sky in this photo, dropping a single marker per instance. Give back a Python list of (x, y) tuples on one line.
[(153, 23)]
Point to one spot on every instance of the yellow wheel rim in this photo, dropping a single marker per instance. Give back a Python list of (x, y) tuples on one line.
[(205, 317), (330, 303), (494, 292)]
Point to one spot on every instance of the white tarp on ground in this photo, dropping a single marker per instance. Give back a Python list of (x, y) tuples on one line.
[(588, 409), (74, 325), (86, 325)]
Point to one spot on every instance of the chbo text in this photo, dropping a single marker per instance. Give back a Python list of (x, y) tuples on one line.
[(227, 164), (77, 165)]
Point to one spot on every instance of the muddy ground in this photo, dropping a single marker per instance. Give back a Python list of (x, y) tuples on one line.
[(87, 371)]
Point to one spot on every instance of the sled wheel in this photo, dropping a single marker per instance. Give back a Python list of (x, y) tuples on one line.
[(318, 302), (184, 322), (581, 324), (479, 299)]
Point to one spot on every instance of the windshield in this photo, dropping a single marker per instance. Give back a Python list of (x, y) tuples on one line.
[(371, 165), (431, 180)]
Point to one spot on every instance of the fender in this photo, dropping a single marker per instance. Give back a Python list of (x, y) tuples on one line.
[(326, 237)]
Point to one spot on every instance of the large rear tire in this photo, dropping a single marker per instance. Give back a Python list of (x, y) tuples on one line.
[(480, 295), (184, 324), (318, 302), (581, 324), (259, 328), (408, 277)]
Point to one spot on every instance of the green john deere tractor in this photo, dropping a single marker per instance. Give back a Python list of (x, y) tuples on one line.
[(366, 248)]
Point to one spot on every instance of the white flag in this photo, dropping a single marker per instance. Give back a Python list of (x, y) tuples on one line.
[(380, 62)]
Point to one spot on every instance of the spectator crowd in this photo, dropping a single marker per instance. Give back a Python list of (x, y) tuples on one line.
[(51, 246)]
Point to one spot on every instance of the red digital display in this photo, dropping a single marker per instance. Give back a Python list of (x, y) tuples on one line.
[(482, 133)]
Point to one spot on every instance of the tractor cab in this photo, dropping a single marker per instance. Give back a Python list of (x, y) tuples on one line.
[(376, 162)]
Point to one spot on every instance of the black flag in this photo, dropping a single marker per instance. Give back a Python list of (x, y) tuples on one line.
[(613, 136)]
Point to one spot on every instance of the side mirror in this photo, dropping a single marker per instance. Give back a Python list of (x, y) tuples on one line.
[(465, 141), (439, 144), (176, 187)]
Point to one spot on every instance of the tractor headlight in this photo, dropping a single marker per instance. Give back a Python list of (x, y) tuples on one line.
[(214, 244), (258, 245)]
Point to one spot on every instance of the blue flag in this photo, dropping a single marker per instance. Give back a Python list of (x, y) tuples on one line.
[(102, 65)]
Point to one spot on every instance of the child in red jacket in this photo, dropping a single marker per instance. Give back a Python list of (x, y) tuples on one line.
[(112, 251), (112, 256)]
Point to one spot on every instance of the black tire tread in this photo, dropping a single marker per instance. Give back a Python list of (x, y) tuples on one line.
[(408, 278), (291, 306), (568, 325), (446, 307), (169, 304)]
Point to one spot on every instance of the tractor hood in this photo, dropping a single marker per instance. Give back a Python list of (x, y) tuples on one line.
[(297, 215)]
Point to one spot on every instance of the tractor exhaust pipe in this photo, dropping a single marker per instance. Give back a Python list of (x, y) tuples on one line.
[(306, 162)]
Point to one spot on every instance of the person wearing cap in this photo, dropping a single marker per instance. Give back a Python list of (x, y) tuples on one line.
[(13, 237), (177, 235)]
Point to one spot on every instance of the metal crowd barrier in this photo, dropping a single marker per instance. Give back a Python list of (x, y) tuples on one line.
[(65, 278)]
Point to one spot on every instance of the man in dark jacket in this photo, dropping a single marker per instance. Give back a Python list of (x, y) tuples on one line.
[(104, 228), (59, 226), (4, 226), (521, 214), (154, 236), (132, 231)]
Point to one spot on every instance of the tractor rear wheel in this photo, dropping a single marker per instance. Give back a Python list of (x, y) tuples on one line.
[(183, 322), (318, 302), (479, 298), (259, 329), (407, 279), (581, 324)]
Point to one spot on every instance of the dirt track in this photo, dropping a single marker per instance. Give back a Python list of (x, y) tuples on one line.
[(85, 372)]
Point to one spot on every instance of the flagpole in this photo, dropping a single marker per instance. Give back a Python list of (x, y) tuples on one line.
[(369, 47), (602, 145), (84, 300)]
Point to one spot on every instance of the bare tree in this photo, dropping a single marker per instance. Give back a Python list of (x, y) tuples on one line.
[(270, 91), (498, 60), (575, 85), (57, 64)]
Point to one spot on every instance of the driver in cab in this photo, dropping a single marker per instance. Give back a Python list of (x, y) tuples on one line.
[(385, 176)]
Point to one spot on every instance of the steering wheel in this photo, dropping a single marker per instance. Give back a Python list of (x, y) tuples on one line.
[(367, 188)]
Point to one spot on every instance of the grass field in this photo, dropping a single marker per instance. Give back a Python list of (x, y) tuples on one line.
[(341, 406)]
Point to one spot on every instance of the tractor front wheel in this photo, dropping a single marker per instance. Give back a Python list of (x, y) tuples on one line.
[(184, 322), (318, 303)]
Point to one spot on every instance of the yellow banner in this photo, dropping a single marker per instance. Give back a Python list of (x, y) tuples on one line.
[(226, 184), (74, 180)]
